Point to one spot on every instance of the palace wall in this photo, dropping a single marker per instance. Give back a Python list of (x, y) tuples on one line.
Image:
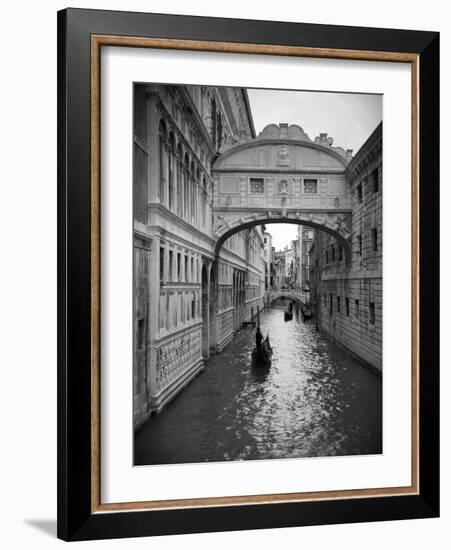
[(188, 303)]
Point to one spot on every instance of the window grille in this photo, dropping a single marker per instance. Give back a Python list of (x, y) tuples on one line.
[(372, 318), (310, 187), (257, 185)]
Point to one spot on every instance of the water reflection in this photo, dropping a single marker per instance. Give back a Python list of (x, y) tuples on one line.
[(314, 400)]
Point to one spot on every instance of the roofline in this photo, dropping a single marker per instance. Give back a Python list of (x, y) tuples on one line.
[(248, 110), (375, 135), (278, 141)]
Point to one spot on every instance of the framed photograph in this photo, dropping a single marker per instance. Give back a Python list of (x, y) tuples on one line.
[(248, 274)]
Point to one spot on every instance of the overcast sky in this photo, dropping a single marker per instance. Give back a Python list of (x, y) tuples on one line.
[(348, 118)]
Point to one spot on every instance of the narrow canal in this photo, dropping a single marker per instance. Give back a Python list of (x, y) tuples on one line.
[(315, 400)]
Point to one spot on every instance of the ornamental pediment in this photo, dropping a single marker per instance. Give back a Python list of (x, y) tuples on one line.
[(280, 157), (284, 147)]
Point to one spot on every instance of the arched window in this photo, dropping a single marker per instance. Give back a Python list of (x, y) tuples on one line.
[(162, 159), (213, 121), (171, 166), (219, 131), (186, 190), (179, 180), (204, 203), (193, 192)]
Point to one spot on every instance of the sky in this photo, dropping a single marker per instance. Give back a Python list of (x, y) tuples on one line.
[(282, 234), (348, 118)]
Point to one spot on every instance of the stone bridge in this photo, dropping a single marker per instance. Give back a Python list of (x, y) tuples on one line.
[(290, 294), (283, 176)]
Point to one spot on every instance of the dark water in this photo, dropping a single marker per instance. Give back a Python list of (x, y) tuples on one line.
[(315, 400)]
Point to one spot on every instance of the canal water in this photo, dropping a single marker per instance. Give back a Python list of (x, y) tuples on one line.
[(315, 400)]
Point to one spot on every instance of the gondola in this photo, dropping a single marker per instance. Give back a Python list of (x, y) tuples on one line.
[(288, 315), (262, 356), (306, 313), (262, 353)]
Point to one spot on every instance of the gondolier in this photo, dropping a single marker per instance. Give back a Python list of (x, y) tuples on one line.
[(258, 338)]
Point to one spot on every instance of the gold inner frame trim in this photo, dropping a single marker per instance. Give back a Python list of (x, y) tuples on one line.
[(97, 41)]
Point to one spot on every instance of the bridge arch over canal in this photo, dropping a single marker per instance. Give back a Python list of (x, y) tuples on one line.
[(283, 176), (299, 297)]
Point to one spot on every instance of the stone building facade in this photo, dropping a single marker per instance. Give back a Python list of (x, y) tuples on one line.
[(280, 270), (188, 299), (347, 295), (306, 236), (269, 261)]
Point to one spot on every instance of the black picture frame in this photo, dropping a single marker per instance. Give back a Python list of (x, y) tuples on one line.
[(76, 521)]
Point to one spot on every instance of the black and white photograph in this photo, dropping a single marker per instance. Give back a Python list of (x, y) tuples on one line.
[(226, 252), (258, 246)]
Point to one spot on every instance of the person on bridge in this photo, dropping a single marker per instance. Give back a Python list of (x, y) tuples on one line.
[(258, 338)]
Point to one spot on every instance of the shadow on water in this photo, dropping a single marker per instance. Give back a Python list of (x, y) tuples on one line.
[(260, 372)]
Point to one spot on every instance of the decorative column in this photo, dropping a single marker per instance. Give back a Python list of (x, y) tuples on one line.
[(152, 139), (165, 174), (206, 315), (154, 312)]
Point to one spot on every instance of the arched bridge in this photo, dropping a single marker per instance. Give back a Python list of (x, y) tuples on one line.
[(283, 176), (289, 294)]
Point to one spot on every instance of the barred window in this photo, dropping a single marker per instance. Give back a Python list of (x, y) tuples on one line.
[(161, 263), (171, 265), (257, 185), (310, 187), (141, 334), (374, 239), (372, 313), (359, 192), (375, 180)]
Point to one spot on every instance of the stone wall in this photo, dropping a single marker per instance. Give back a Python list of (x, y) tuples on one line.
[(348, 294), (225, 324), (141, 385), (346, 318), (177, 358)]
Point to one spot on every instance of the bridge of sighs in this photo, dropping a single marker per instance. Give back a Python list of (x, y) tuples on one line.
[(282, 176)]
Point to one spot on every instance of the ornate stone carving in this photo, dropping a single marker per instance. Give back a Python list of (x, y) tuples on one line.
[(323, 140), (141, 143), (283, 131), (283, 187), (176, 356), (283, 156)]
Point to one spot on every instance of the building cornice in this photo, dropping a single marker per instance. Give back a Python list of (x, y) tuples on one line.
[(370, 150), (196, 118), (248, 111), (275, 172)]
